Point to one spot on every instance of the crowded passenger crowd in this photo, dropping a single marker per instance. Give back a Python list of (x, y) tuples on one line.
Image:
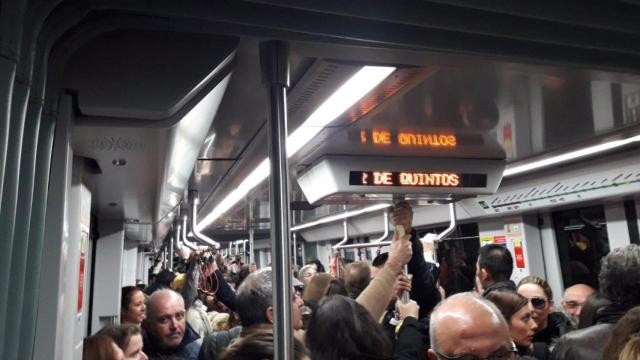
[(217, 310)]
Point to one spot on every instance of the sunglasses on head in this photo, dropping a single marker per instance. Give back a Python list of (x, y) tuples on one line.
[(538, 303)]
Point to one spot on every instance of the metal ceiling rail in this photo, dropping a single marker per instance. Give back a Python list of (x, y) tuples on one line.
[(339, 216), (452, 223), (345, 238), (177, 243), (375, 243), (191, 245), (200, 237)]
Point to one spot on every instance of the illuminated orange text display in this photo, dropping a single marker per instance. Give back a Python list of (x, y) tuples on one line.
[(388, 178), (416, 179), (409, 139)]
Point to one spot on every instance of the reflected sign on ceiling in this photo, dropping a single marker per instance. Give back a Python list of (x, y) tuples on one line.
[(408, 139)]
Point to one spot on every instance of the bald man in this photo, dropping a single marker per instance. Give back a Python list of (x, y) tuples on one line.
[(166, 332), (574, 298), (466, 324)]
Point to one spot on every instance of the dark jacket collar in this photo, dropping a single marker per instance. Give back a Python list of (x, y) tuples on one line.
[(611, 313), (150, 345), (502, 285)]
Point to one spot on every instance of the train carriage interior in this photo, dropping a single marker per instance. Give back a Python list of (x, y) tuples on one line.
[(134, 133)]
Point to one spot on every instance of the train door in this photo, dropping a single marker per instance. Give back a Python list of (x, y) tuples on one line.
[(582, 239), (457, 257)]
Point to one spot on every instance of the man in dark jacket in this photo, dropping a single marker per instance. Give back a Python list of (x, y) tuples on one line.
[(493, 269), (166, 332), (619, 274), (254, 305), (422, 286), (423, 282)]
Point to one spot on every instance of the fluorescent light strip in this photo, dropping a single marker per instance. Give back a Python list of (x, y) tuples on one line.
[(569, 156), (348, 94), (340, 216)]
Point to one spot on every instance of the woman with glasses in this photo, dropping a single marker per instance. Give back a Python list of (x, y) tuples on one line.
[(551, 325), (518, 313)]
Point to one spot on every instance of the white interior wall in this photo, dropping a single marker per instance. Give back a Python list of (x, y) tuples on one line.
[(553, 271), (602, 104), (129, 263), (108, 268), (617, 228)]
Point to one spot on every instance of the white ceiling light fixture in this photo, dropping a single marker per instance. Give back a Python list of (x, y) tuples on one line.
[(340, 216), (348, 94), (554, 160)]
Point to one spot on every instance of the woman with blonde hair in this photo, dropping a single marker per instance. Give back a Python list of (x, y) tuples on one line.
[(631, 350), (551, 324)]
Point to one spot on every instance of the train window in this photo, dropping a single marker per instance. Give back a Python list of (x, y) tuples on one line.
[(582, 240), (457, 257)]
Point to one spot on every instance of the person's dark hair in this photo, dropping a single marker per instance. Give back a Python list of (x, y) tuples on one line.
[(358, 276), (340, 317), (120, 334), (319, 266), (620, 275), (621, 333), (542, 283), (231, 278), (336, 287), (380, 260), (497, 261), (220, 262), (590, 308), (127, 295), (257, 344), (98, 347), (242, 274), (165, 277), (254, 297), (508, 302)]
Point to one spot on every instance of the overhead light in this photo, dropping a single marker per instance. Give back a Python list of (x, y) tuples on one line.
[(119, 162), (572, 155), (348, 94), (340, 216)]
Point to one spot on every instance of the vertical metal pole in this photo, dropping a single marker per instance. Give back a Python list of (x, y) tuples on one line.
[(295, 250), (275, 70), (171, 240), (251, 259), (251, 256), (245, 257), (304, 253)]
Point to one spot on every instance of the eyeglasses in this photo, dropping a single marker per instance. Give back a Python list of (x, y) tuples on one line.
[(498, 355), (571, 304), (538, 303)]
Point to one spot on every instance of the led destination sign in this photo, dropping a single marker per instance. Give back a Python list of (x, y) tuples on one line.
[(435, 140), (417, 179)]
